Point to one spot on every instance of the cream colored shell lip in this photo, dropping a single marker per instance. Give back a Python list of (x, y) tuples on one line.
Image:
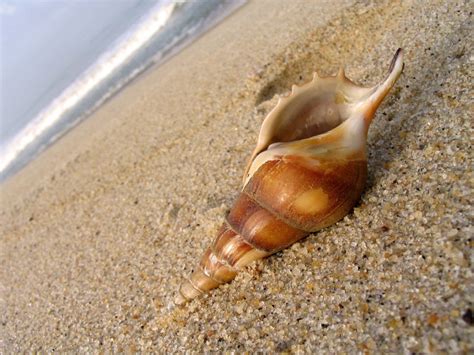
[(355, 106)]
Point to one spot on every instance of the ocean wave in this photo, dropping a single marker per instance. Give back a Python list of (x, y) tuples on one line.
[(167, 28), (121, 51)]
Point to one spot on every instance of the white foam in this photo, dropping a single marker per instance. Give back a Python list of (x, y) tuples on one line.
[(120, 51)]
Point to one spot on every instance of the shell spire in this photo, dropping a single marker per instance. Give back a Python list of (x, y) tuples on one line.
[(307, 171), (341, 74)]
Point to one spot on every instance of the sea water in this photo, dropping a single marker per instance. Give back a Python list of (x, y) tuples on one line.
[(41, 105)]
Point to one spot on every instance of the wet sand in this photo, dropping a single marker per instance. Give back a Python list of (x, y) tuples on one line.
[(98, 232)]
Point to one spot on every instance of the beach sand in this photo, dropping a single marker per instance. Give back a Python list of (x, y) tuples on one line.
[(99, 231)]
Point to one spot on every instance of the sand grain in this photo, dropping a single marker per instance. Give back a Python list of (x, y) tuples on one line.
[(98, 232)]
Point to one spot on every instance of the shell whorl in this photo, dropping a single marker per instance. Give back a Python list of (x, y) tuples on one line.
[(259, 224), (306, 173)]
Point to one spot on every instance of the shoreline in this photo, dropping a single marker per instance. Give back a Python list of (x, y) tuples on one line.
[(99, 231), (150, 67)]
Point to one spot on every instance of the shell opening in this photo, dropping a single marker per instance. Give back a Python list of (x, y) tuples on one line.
[(312, 113), (322, 105), (325, 103)]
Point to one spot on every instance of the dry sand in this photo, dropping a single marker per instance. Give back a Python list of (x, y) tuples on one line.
[(99, 231)]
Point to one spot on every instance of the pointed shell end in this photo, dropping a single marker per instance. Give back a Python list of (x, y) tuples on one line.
[(180, 300), (341, 73)]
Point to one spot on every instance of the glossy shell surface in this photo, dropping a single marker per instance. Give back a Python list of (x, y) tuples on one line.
[(307, 171)]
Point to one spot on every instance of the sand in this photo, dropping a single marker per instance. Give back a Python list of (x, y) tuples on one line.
[(98, 232)]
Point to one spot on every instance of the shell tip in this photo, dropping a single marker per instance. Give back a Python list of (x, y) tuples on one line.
[(341, 73), (397, 58), (379, 91), (180, 300)]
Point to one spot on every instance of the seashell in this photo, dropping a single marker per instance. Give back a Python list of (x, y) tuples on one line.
[(307, 171)]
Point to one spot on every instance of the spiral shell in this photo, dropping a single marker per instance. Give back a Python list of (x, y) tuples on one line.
[(307, 171)]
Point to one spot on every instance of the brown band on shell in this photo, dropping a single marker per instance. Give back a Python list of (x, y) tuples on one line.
[(203, 282), (302, 195), (206, 272), (216, 268), (229, 245), (260, 228)]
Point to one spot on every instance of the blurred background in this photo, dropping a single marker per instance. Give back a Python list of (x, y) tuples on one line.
[(60, 60)]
